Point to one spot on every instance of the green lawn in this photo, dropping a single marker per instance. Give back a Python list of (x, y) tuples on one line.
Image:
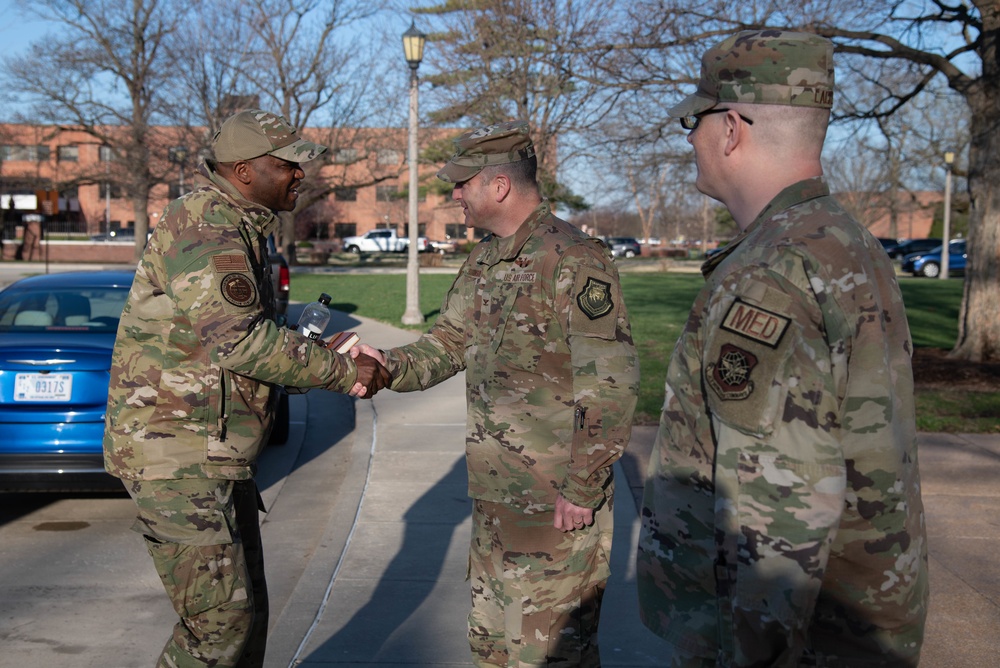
[(659, 305)]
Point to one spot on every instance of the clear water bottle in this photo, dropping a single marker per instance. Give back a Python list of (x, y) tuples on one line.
[(315, 317)]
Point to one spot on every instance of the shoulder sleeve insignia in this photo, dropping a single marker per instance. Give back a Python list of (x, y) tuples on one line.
[(755, 323), (239, 290), (729, 376), (230, 262), (594, 299)]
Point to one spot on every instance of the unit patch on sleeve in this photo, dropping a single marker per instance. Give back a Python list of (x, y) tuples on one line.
[(729, 376), (238, 290), (755, 323), (595, 298)]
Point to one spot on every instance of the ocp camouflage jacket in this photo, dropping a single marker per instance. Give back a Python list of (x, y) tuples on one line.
[(782, 518), (538, 323), (198, 354)]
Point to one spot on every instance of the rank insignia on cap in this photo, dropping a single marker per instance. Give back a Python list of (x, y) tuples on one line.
[(730, 375), (595, 299), (238, 290)]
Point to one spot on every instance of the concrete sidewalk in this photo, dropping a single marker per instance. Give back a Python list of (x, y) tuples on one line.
[(396, 593)]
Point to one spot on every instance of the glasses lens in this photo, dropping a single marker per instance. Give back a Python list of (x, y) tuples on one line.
[(689, 122)]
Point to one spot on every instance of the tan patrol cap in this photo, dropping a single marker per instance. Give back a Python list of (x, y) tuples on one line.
[(764, 67), (252, 133), (497, 144)]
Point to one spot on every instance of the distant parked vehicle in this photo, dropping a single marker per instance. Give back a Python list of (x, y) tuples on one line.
[(889, 245), (909, 246), (929, 264), (623, 246), (383, 241), (443, 247)]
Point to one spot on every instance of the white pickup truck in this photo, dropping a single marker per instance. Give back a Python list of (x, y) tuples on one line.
[(382, 241)]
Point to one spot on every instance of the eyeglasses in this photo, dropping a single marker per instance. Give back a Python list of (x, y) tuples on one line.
[(690, 123)]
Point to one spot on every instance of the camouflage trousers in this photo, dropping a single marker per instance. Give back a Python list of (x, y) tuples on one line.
[(536, 591), (204, 538)]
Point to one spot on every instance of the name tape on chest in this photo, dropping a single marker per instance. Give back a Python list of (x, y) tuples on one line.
[(517, 276), (755, 323)]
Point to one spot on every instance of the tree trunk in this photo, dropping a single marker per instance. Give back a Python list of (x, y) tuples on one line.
[(140, 206), (979, 321)]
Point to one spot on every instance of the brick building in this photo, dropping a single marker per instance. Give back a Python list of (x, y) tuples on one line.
[(71, 181)]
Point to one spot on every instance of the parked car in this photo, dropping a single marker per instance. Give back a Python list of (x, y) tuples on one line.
[(929, 264), (280, 278), (56, 336), (623, 246), (383, 240), (904, 248), (889, 245), (442, 247)]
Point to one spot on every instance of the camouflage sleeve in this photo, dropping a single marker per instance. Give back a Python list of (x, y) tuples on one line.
[(780, 472), (605, 371), (216, 291), (440, 353)]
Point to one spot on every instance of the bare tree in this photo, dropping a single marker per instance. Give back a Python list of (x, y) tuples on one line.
[(899, 47), (102, 73), (497, 60)]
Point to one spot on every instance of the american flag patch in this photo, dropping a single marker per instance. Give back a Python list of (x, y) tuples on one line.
[(230, 263)]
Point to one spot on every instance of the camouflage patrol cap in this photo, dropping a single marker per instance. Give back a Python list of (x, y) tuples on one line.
[(764, 67), (497, 144), (253, 133)]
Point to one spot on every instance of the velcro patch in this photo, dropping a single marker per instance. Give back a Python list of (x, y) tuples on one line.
[(517, 276), (594, 299), (755, 323), (230, 262), (729, 376), (239, 290)]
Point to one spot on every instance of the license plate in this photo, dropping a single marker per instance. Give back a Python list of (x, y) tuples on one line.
[(43, 386)]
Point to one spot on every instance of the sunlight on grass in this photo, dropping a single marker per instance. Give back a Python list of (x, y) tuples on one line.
[(659, 304)]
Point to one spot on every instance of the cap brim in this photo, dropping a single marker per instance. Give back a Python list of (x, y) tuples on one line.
[(453, 173), (298, 151), (691, 105)]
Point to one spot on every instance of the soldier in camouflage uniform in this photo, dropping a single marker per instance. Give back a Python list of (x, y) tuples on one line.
[(537, 321), (193, 388), (782, 521)]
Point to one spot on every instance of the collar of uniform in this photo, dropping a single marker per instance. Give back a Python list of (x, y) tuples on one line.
[(508, 248), (795, 194), (262, 218)]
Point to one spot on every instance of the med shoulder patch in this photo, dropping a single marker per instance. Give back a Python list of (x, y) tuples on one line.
[(755, 323)]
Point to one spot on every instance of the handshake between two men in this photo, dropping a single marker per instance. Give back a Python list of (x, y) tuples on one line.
[(372, 374)]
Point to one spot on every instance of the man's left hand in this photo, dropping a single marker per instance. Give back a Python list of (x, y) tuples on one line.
[(570, 517)]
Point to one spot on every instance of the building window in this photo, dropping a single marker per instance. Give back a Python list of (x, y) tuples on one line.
[(387, 156), (386, 193), (105, 154), (346, 194), (68, 153), (17, 153), (341, 230), (344, 156)]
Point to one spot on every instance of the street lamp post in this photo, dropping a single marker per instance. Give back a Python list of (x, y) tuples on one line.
[(949, 160), (413, 49), (178, 155)]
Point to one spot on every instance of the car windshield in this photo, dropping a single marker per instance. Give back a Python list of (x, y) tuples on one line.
[(95, 309)]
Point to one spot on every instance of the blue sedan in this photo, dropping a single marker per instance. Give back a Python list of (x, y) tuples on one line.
[(56, 336), (929, 263)]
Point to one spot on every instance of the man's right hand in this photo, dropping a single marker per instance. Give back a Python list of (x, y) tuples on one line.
[(372, 375)]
